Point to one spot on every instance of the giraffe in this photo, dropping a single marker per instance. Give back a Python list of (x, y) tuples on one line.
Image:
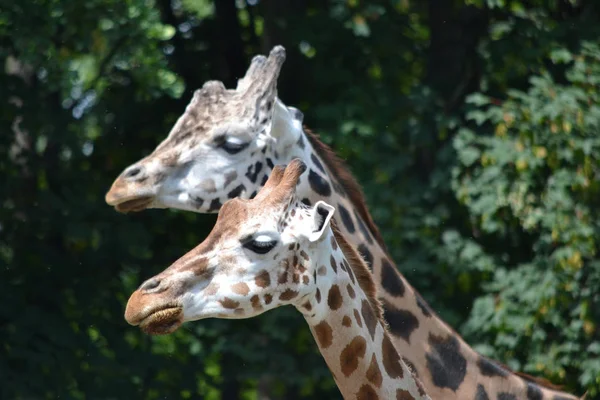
[(274, 251), (225, 145)]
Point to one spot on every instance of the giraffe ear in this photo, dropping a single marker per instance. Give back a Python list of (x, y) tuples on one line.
[(321, 215), (287, 123)]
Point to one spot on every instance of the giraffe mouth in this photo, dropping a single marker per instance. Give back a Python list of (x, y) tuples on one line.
[(134, 205), (162, 321)]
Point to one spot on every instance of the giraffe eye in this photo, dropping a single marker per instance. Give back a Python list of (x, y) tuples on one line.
[(261, 244), (234, 145)]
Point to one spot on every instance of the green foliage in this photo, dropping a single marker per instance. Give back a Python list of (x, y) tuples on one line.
[(532, 181), (473, 127)]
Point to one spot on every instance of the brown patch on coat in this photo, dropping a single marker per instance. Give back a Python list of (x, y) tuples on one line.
[(226, 302), (366, 392), (357, 318), (283, 276), (255, 301), (351, 292), (402, 394), (391, 359), (262, 279), (307, 306), (288, 294), (333, 263), (334, 298), (240, 288), (268, 298), (351, 355), (369, 317), (324, 334), (374, 373)]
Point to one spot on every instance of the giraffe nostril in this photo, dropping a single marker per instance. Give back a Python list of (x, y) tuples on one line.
[(132, 172), (150, 284)]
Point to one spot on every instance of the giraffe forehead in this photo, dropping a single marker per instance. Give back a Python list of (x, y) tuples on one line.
[(207, 117), (240, 217)]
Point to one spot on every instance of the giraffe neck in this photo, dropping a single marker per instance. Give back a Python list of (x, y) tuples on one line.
[(354, 343), (448, 367)]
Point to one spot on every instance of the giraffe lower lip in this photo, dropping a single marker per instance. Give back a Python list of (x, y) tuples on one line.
[(133, 205), (163, 321)]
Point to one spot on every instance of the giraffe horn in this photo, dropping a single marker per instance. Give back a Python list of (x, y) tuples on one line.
[(287, 186), (272, 182), (282, 182), (256, 63), (262, 74), (292, 173)]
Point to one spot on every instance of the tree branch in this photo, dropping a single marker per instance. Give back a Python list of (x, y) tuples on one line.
[(102, 69)]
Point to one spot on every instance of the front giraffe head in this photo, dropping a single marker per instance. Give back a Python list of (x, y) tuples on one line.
[(257, 257), (223, 146)]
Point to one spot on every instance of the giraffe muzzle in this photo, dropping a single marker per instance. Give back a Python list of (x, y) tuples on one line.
[(163, 322), (134, 205), (128, 197), (152, 314)]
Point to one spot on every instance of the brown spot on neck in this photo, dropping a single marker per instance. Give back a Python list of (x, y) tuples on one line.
[(357, 318), (366, 392), (333, 263), (402, 394), (351, 292), (391, 359), (334, 298), (346, 321), (374, 373), (307, 306), (369, 318), (324, 334), (351, 355)]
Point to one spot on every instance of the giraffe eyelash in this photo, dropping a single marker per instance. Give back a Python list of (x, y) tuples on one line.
[(259, 246)]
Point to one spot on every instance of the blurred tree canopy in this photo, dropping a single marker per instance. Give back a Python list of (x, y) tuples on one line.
[(474, 127)]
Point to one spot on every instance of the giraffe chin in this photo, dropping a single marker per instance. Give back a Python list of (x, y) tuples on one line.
[(134, 205), (163, 322)]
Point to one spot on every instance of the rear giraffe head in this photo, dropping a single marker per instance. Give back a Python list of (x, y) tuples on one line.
[(274, 251), (223, 146)]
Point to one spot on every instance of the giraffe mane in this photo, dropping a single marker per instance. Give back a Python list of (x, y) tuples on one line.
[(360, 270), (342, 174)]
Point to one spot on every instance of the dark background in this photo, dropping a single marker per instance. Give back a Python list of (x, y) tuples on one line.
[(473, 127)]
